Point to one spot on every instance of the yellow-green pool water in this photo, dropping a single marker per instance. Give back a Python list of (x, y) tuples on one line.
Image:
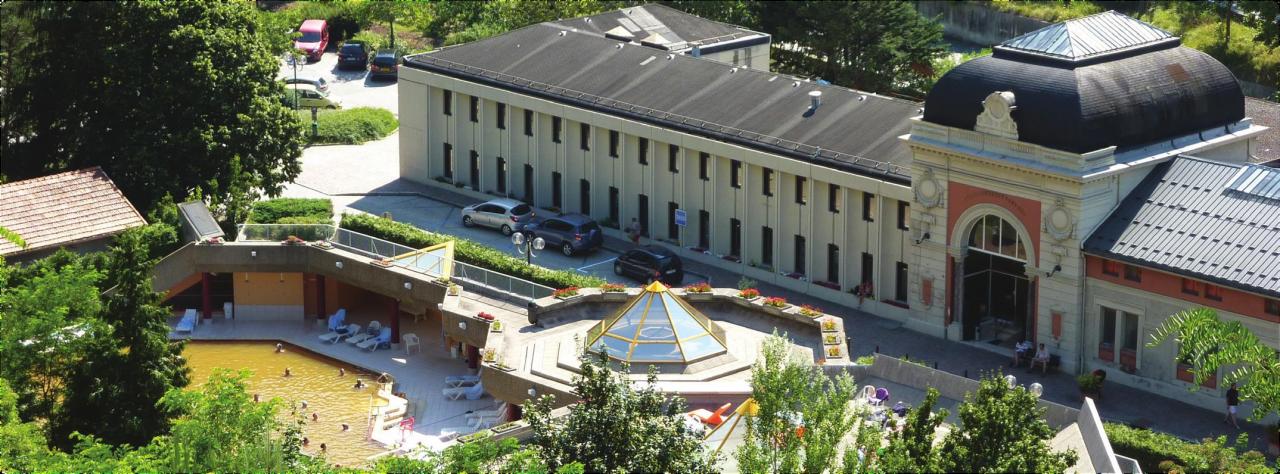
[(313, 378)]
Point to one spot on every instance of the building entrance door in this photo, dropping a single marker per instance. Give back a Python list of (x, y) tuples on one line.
[(997, 297)]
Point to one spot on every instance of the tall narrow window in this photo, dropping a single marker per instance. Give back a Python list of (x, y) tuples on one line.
[(614, 204), (528, 123), (833, 263), (735, 237), (768, 182), (704, 166), (528, 185), (868, 212), (584, 196), (904, 215), (557, 124), (644, 214), (475, 109), (500, 176), (475, 170), (1107, 334), (802, 186), (502, 116), (644, 151), (704, 230), (584, 136), (557, 181), (448, 160), (613, 143), (800, 253), (448, 102), (833, 198), (735, 173), (673, 157), (766, 246), (868, 268), (900, 282), (673, 230)]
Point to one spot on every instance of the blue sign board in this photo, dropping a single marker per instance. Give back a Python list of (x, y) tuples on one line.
[(682, 218)]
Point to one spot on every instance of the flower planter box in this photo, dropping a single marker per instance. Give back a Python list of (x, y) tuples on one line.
[(502, 367), (1185, 375), (505, 427), (568, 297), (322, 245), (380, 263), (1106, 352), (832, 339), (1129, 360), (832, 352), (474, 436)]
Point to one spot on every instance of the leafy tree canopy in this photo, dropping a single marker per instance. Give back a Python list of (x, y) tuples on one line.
[(1002, 429), (1209, 344)]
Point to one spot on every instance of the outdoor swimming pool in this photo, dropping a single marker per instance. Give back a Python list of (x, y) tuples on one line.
[(313, 378)]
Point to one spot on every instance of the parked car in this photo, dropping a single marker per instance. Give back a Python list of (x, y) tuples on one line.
[(314, 39), (308, 96), (353, 55), (650, 263), (506, 215), (571, 233), (319, 82), (385, 64)]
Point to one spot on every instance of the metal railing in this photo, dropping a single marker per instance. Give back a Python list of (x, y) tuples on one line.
[(500, 282)]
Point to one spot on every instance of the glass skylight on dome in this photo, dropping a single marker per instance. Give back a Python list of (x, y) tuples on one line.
[(657, 327)]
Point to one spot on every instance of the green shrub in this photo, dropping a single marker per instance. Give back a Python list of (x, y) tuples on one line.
[(466, 251), (1248, 58), (1052, 11), (345, 18), (292, 211), (1161, 452), (351, 126)]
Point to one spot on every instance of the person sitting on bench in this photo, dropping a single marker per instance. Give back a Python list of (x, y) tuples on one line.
[(1021, 352), (1042, 358)]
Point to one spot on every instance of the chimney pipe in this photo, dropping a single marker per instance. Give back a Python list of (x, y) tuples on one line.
[(815, 99)]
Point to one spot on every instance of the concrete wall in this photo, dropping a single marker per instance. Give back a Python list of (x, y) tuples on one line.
[(268, 296), (754, 57), (974, 22)]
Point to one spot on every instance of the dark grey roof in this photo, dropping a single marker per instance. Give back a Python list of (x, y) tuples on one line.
[(1090, 36), (675, 30), (198, 223), (851, 130), (1127, 98), (1188, 217)]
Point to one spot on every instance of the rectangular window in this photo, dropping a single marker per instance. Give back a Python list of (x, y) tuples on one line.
[(900, 282), (768, 182), (501, 175), (1213, 292), (801, 185), (584, 196), (868, 214), (735, 173), (448, 160), (644, 214), (801, 258), (448, 103), (673, 230), (528, 185), (766, 246), (833, 263), (644, 151), (904, 215), (704, 230), (502, 116), (475, 170), (475, 109), (1190, 287), (1271, 307), (1107, 334), (613, 143), (584, 136), (614, 204), (735, 238), (833, 198), (673, 156), (557, 198), (704, 166), (528, 123), (556, 125), (1131, 330), (1132, 273), (868, 267), (1111, 267)]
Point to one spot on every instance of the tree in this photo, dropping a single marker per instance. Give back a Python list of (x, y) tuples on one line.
[(912, 449), (791, 393), (478, 455), (1208, 344), (617, 428), (744, 13), (22, 445), (167, 97), (1002, 429), (13, 237)]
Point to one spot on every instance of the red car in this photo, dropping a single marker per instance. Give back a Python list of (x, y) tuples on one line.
[(314, 39)]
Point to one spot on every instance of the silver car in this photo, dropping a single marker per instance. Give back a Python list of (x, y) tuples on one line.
[(502, 214)]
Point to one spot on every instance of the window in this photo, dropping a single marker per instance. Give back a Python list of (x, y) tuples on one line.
[(1132, 273), (613, 205), (584, 136), (768, 182), (528, 123), (801, 258), (528, 184), (704, 166), (735, 173), (1119, 330), (557, 198), (900, 282), (556, 125), (644, 214), (584, 196), (1213, 292), (1131, 330), (475, 170), (673, 154), (904, 215), (644, 151), (501, 175), (766, 246), (448, 102), (673, 230), (801, 197), (833, 198), (448, 161), (833, 263), (475, 109), (1190, 287), (867, 213), (1271, 307), (502, 116), (735, 238), (868, 267), (704, 230), (1111, 267), (613, 143), (1107, 335)]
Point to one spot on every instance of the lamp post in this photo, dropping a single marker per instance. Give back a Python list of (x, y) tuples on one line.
[(526, 246)]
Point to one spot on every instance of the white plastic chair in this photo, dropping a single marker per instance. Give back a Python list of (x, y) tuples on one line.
[(410, 340)]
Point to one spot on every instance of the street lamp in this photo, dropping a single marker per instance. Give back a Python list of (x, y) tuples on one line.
[(526, 246)]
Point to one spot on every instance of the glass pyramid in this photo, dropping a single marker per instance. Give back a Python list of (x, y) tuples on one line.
[(657, 327)]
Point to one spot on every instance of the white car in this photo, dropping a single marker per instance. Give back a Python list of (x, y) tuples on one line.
[(321, 84), (503, 214), (309, 96)]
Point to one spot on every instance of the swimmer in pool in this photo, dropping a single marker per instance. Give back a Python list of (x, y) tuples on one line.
[(359, 384), (306, 441), (346, 427), (279, 348), (342, 372), (315, 417), (287, 372), (304, 404), (256, 398), (323, 448)]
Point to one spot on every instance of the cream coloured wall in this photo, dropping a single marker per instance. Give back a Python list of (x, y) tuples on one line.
[(268, 296)]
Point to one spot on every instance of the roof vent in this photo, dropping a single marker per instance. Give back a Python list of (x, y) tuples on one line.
[(815, 99), (795, 84)]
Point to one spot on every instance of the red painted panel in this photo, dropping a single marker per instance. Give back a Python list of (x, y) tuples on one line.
[(926, 291), (961, 197), (1170, 285), (1057, 325)]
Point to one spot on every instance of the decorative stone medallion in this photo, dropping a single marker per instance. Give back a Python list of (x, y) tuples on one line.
[(997, 115), (927, 190), (1058, 222)]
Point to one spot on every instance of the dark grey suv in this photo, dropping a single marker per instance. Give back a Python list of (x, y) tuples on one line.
[(571, 233), (650, 263)]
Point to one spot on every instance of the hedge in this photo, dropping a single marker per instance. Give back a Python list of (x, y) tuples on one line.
[(350, 126), (292, 211), (466, 251), (1151, 449)]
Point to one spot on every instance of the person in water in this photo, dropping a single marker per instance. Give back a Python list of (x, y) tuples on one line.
[(342, 372), (306, 441), (359, 384), (279, 348), (346, 427), (315, 416), (256, 398), (287, 372), (323, 448), (304, 404)]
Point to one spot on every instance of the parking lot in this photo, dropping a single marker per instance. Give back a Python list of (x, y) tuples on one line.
[(353, 88)]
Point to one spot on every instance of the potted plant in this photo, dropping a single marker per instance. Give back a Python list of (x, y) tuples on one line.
[(454, 289), (700, 287), (829, 325), (831, 339), (834, 352), (508, 426), (495, 326), (776, 302), (322, 244), (293, 240), (1090, 385), (485, 316), (490, 355), (810, 311), (613, 288), (565, 293), (749, 294)]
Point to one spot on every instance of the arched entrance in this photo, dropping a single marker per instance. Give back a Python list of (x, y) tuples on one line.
[(997, 297)]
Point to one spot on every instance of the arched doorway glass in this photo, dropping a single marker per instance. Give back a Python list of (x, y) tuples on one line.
[(997, 293)]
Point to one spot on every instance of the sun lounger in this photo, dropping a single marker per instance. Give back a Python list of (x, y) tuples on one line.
[(500, 411), (711, 418), (474, 392), (337, 320), (454, 381), (189, 321), (371, 332), (384, 337), (340, 334), (452, 432)]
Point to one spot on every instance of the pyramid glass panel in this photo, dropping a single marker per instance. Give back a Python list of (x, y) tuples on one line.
[(657, 326)]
